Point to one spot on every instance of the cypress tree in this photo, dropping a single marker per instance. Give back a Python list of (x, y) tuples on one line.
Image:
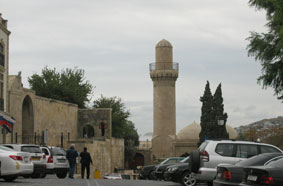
[(218, 114), (205, 120)]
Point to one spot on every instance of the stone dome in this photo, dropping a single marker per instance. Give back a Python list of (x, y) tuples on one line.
[(163, 43), (191, 132)]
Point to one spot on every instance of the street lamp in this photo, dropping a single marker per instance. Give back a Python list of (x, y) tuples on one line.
[(220, 122)]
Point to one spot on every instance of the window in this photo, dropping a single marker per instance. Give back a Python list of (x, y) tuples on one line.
[(225, 149), (45, 151), (246, 150), (268, 149), (2, 56)]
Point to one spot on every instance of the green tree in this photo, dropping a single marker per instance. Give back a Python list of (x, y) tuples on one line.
[(218, 114), (206, 118), (268, 47), (121, 126), (69, 85)]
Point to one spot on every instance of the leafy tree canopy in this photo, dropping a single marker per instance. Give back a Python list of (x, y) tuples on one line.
[(268, 47), (122, 127), (69, 85)]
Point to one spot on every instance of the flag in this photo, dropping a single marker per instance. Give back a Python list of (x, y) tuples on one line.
[(6, 121)]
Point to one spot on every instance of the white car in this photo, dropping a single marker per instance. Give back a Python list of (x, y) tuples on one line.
[(14, 164), (57, 162), (38, 158)]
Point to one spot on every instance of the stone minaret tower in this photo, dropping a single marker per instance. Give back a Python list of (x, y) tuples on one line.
[(164, 74)]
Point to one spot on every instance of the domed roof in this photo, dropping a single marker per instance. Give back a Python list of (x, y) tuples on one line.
[(191, 132), (163, 43)]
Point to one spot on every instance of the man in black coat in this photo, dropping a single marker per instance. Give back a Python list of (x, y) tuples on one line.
[(85, 162), (72, 155)]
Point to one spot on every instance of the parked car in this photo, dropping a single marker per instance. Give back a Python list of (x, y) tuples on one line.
[(38, 158), (147, 172), (204, 161), (160, 169), (57, 162), (117, 176), (180, 173), (269, 174), (14, 164), (231, 175)]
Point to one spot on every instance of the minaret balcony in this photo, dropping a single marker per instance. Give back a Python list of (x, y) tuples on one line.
[(164, 71), (164, 66)]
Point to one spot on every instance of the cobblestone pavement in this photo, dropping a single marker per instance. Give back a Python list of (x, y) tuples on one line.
[(51, 180)]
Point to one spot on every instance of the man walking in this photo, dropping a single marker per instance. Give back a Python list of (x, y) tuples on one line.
[(72, 155), (85, 162)]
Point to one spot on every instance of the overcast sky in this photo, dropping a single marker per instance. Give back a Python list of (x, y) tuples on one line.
[(114, 42)]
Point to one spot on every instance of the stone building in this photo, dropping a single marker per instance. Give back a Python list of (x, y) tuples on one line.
[(45, 121), (4, 70)]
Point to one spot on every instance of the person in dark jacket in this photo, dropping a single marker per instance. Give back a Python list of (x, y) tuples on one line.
[(85, 162), (72, 155)]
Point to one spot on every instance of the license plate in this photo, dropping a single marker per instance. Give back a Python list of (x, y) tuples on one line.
[(252, 178), (62, 161), (35, 158), (26, 159)]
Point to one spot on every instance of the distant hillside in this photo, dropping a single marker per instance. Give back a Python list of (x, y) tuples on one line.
[(262, 124)]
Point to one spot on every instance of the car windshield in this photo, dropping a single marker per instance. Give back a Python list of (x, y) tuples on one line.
[(31, 149), (185, 160), (6, 148), (56, 151)]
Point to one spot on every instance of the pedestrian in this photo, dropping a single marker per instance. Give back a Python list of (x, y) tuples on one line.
[(72, 155), (85, 162)]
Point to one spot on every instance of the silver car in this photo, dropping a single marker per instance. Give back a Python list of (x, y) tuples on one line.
[(204, 161), (57, 162)]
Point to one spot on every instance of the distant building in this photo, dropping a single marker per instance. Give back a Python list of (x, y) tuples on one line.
[(165, 143)]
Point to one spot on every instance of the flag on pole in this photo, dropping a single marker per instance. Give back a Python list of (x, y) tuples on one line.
[(6, 121)]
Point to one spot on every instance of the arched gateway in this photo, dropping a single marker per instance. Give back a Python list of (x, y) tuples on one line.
[(27, 121)]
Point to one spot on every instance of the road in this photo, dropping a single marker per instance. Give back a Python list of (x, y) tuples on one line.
[(51, 180)]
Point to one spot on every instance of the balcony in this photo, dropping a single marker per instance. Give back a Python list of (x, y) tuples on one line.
[(164, 66)]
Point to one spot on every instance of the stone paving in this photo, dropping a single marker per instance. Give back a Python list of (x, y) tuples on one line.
[(52, 180)]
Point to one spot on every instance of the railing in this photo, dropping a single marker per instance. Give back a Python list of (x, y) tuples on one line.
[(164, 66)]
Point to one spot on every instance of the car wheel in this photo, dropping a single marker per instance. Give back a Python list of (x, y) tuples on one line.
[(188, 180), (152, 175), (43, 175), (61, 175), (9, 178), (194, 161), (35, 175)]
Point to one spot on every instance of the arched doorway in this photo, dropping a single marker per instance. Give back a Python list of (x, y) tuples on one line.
[(137, 161), (27, 121), (88, 131)]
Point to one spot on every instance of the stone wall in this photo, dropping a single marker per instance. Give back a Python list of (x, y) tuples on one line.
[(57, 117), (184, 146), (106, 154)]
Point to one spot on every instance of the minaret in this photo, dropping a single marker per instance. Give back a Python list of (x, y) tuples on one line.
[(164, 74)]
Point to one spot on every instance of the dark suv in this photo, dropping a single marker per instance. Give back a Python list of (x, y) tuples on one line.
[(147, 172), (204, 161), (180, 173)]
